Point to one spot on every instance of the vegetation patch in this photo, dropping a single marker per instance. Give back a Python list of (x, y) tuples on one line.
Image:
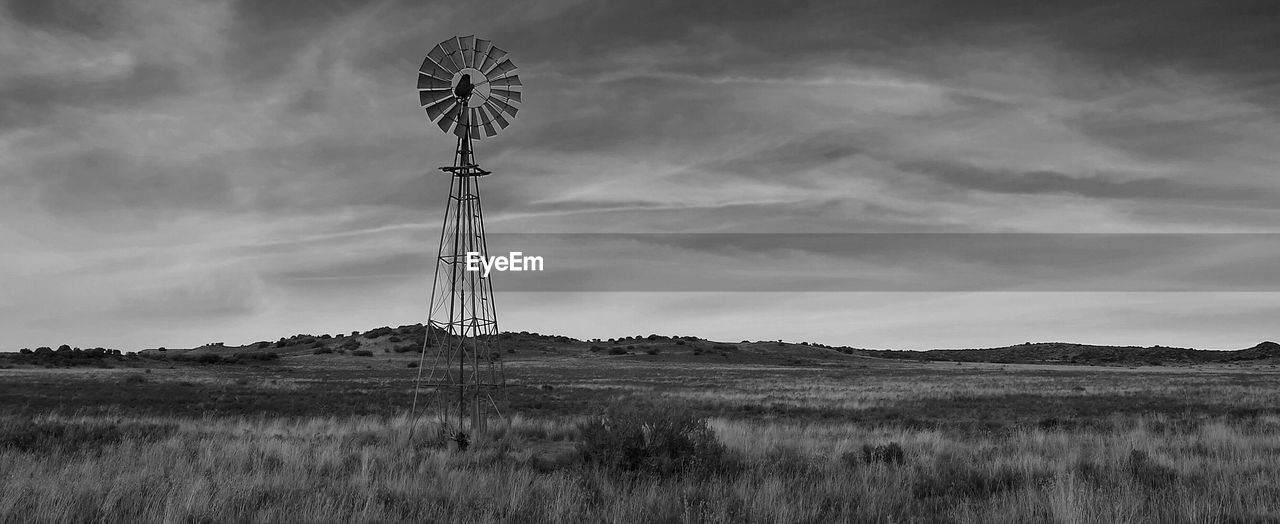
[(47, 436), (654, 442), (956, 477)]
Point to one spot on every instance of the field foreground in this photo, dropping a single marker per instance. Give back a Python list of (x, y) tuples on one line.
[(855, 440)]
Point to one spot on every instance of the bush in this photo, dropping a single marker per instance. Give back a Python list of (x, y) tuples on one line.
[(617, 351), (412, 365), (655, 441), (362, 353), (321, 351), (653, 351), (890, 453), (723, 347), (379, 332), (596, 349), (953, 476), (350, 345)]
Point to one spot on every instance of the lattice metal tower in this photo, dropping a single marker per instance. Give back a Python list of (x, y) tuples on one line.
[(466, 85)]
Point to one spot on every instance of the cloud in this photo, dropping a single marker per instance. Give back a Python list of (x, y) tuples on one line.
[(101, 186), (1093, 186)]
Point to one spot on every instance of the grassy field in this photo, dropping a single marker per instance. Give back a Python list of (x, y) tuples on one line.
[(805, 438)]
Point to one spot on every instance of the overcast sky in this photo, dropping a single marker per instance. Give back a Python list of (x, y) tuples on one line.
[(178, 172)]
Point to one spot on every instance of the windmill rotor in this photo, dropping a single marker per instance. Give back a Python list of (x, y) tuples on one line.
[(469, 87)]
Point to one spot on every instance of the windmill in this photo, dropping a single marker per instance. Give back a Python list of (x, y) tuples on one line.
[(469, 88)]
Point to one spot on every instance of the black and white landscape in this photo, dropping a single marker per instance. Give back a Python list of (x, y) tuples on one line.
[(817, 261)]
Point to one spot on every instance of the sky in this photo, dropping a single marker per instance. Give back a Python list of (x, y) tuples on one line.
[(905, 174)]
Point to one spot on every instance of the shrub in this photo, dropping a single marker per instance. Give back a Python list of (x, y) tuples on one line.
[(953, 476), (25, 351), (379, 332), (655, 442), (890, 453), (631, 347), (321, 351), (412, 364), (596, 349), (350, 345), (393, 339), (723, 347), (679, 342), (362, 353), (653, 351), (617, 351)]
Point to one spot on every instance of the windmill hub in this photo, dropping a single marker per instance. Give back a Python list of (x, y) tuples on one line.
[(470, 85)]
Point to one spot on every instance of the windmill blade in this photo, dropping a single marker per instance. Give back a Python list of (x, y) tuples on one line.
[(450, 118), (441, 58), (453, 49), (432, 69), (497, 115), (474, 122), (429, 97), (489, 130), (506, 81), (511, 95), (468, 45), (461, 130), (501, 69), (495, 54), (430, 82), (507, 108), (441, 107), (482, 50)]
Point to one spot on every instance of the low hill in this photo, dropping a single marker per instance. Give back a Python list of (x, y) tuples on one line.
[(1069, 353), (412, 339)]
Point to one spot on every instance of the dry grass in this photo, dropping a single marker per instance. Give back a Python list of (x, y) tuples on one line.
[(980, 443), (367, 469)]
